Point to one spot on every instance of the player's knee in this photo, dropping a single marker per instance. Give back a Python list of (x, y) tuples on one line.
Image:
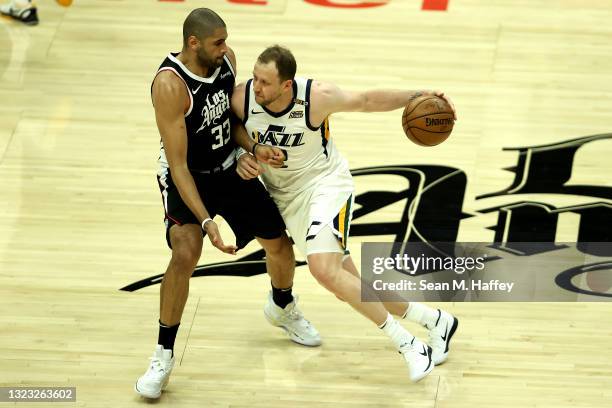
[(280, 249), (185, 259), (186, 254), (325, 275)]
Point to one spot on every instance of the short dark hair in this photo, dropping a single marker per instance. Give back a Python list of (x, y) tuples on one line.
[(284, 59), (201, 23)]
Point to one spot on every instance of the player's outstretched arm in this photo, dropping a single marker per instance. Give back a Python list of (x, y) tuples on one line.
[(328, 98)]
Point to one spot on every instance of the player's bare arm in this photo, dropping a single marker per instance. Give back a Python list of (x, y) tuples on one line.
[(247, 167), (328, 98), (171, 101)]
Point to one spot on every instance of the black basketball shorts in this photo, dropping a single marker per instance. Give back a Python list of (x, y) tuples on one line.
[(245, 205)]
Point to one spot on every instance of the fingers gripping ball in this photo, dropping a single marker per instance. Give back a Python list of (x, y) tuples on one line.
[(428, 120)]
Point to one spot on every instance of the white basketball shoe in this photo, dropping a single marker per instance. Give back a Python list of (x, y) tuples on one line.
[(418, 357), (293, 322), (441, 334), (151, 384), (21, 10)]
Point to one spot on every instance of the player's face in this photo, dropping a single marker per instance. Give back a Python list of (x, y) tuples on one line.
[(267, 85), (211, 50)]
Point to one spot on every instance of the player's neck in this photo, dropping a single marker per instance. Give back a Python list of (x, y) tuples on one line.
[(191, 63)]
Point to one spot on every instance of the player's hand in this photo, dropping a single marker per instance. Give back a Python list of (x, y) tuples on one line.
[(271, 155), (212, 231), (247, 167), (448, 100)]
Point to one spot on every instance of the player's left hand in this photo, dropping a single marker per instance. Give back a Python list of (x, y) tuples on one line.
[(212, 231), (247, 167), (448, 100)]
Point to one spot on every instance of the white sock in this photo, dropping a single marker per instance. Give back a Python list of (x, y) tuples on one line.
[(422, 314), (398, 335)]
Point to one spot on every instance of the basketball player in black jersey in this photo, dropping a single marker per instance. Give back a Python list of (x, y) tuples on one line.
[(197, 177)]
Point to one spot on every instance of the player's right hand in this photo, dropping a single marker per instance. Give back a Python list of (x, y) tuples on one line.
[(271, 155), (247, 167), (215, 238), (448, 100)]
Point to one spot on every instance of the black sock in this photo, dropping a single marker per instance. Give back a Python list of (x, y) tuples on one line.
[(282, 297), (167, 335)]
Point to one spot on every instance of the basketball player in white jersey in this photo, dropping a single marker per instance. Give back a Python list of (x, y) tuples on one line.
[(191, 95), (314, 189)]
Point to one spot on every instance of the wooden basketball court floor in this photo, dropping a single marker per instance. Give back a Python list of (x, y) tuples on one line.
[(82, 217)]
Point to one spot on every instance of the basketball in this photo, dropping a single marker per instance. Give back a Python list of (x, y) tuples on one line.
[(428, 120)]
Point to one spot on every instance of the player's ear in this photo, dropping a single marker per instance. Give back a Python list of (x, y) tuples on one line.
[(287, 85), (193, 42)]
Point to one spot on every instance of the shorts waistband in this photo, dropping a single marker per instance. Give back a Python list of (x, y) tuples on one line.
[(227, 163)]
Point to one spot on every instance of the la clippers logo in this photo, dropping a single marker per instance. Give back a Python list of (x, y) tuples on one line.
[(216, 105), (433, 209)]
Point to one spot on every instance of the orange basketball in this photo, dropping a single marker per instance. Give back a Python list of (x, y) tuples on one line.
[(65, 3), (428, 120)]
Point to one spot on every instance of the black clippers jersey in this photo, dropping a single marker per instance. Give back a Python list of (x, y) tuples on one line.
[(209, 146)]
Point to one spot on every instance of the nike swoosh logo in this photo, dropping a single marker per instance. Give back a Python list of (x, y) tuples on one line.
[(451, 333), (255, 113), (297, 335), (195, 91), (429, 356), (424, 353), (445, 333)]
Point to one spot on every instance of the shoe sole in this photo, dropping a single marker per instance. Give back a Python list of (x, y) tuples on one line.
[(451, 333), (293, 337), (163, 387), (12, 17), (150, 396)]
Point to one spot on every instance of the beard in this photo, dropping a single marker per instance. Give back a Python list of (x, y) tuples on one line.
[(266, 102), (206, 61), (263, 102)]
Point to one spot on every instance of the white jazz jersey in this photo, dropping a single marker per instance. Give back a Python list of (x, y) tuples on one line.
[(315, 184)]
